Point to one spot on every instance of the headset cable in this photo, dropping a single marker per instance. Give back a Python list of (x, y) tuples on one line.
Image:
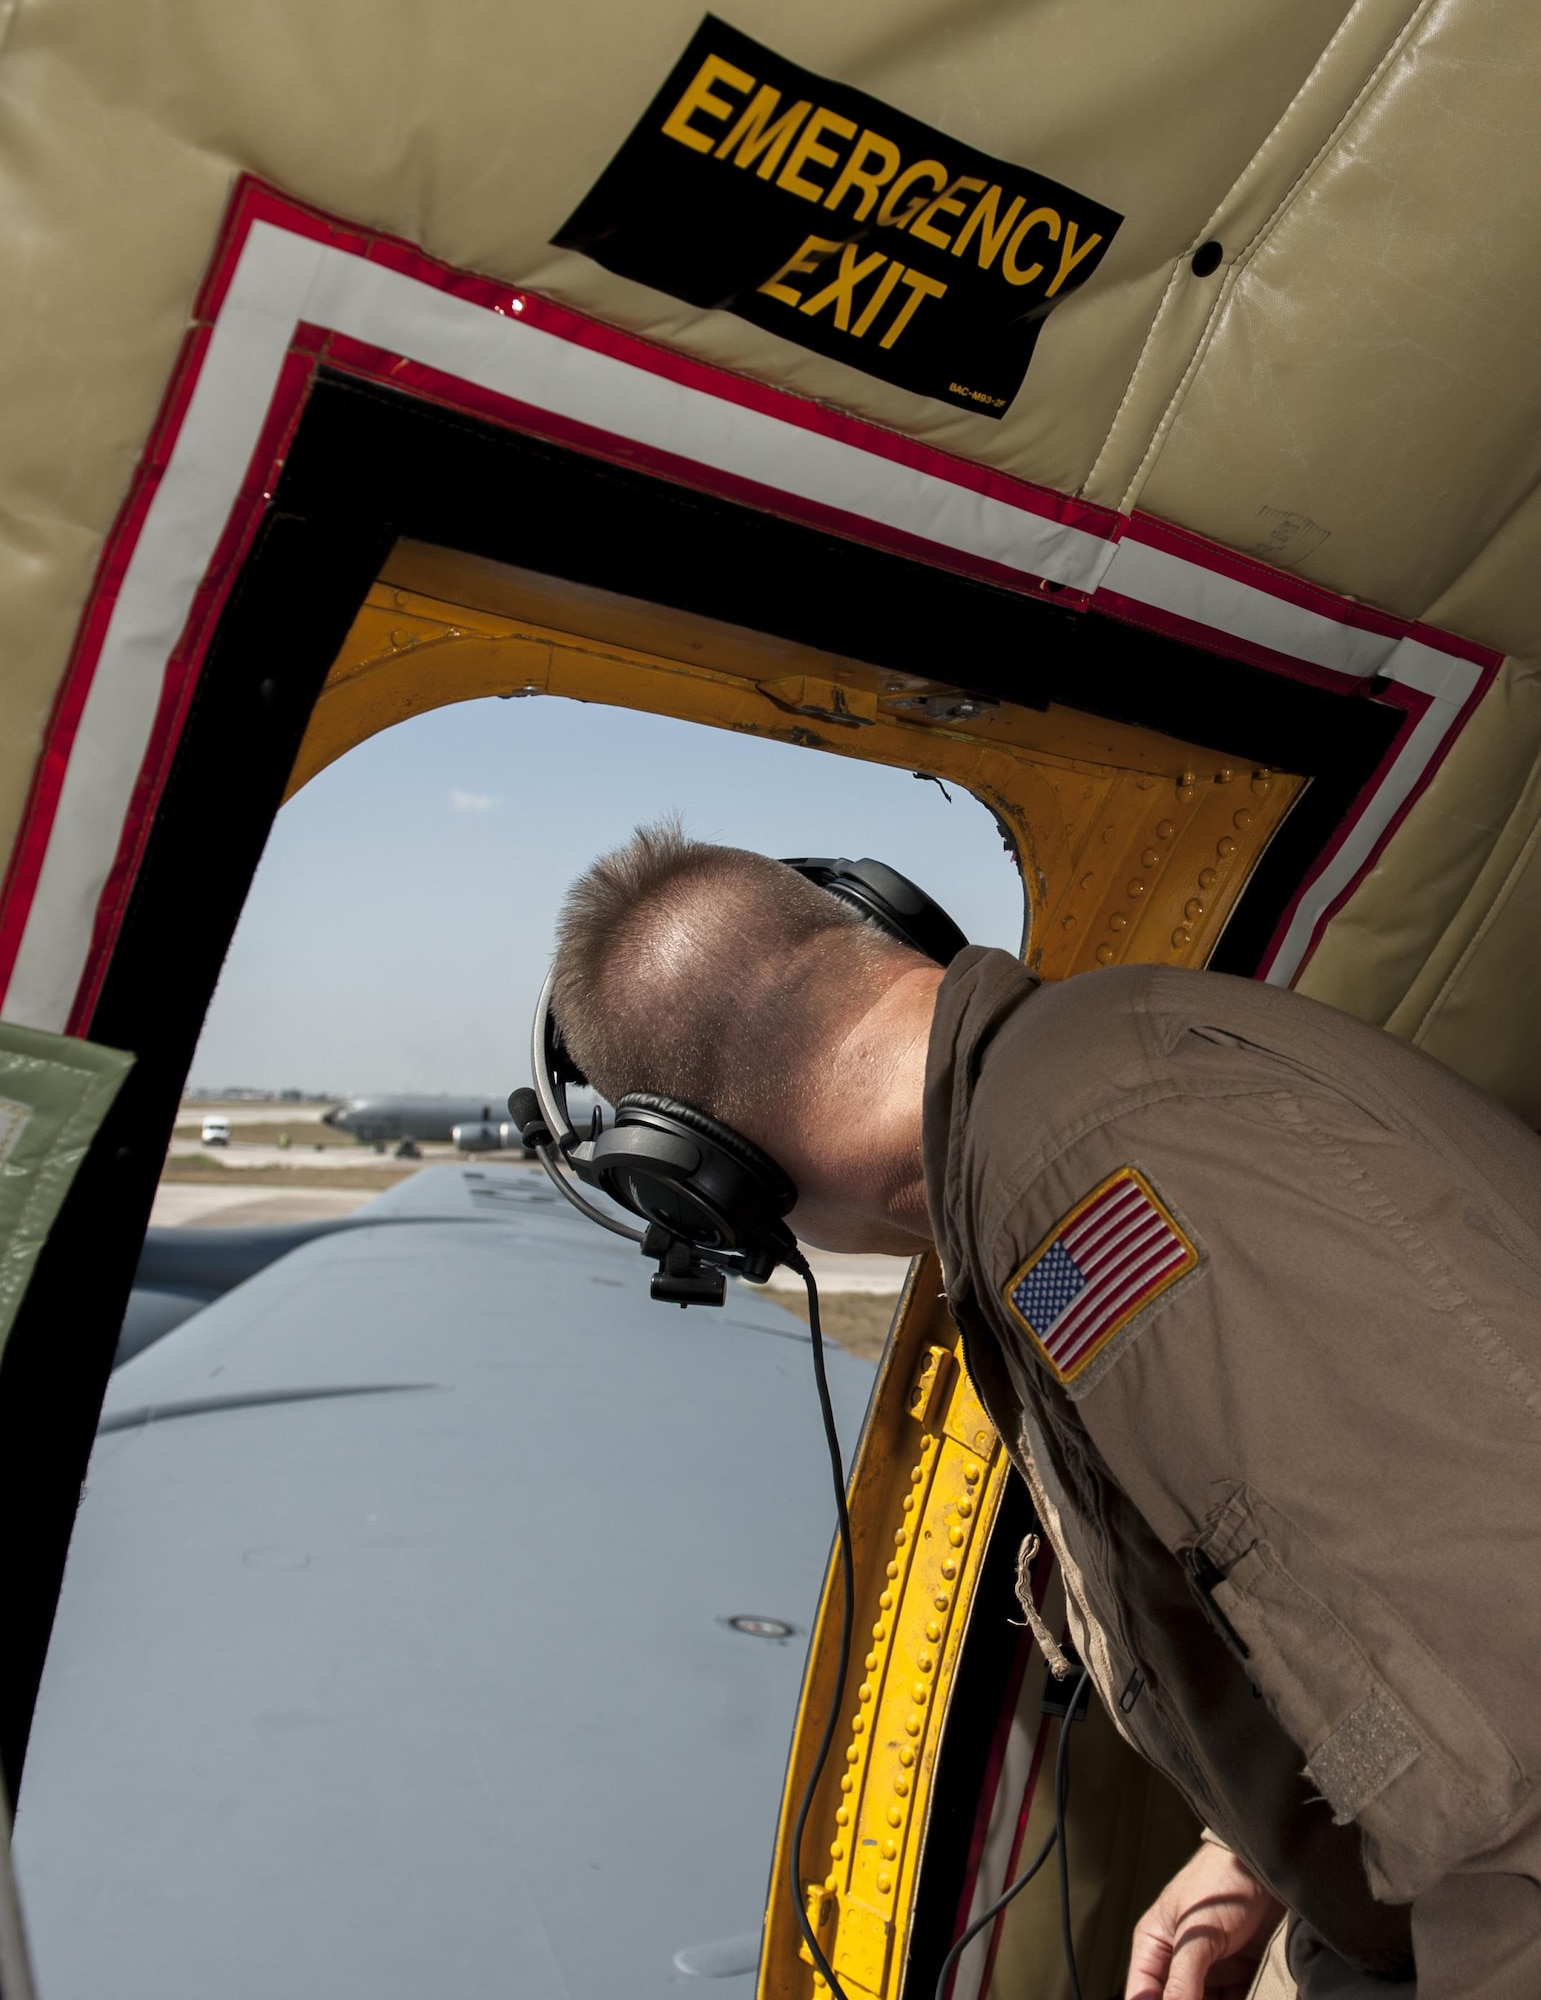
[(1056, 1838), (800, 1265)]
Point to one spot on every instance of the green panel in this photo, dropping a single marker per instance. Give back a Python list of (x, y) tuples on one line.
[(54, 1093)]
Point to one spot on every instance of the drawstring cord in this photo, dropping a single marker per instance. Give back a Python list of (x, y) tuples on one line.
[(1055, 1659)]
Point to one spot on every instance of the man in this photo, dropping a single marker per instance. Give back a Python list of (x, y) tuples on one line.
[(1251, 1293)]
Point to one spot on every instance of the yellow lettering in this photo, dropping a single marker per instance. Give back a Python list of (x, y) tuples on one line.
[(943, 205), (854, 173), (992, 234), (754, 134), (1011, 270), (1069, 257), (700, 97), (809, 150), (921, 287), (840, 293), (931, 170), (815, 249), (879, 299)]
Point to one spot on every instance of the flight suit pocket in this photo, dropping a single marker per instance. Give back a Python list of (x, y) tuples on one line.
[(1391, 1740)]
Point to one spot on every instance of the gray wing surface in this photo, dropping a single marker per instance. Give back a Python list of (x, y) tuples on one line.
[(392, 1656)]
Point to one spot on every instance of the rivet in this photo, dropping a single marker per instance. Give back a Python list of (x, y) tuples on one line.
[(1261, 782), (1193, 908), (933, 1630), (400, 638), (966, 1506), (971, 1472), (1225, 847), (1189, 778), (917, 1475), (399, 599), (1067, 923), (880, 1630), (1181, 936), (1107, 834), (885, 1880), (892, 1570), (1207, 878), (853, 1755), (843, 1816), (1087, 880), (902, 1785), (1241, 820), (831, 1883), (847, 1783), (889, 1849), (983, 1441), (837, 1850), (1165, 830), (906, 1755), (912, 1724), (1149, 858), (1104, 954), (1136, 886), (918, 1693), (886, 1600), (1185, 795), (858, 1724), (900, 1538), (1143, 784), (925, 1662), (941, 1600), (1119, 921), (1224, 775), (864, 1692), (895, 1817), (955, 1536), (949, 1568), (870, 1662), (909, 1503)]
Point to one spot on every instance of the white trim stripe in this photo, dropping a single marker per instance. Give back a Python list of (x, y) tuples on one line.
[(1223, 603)]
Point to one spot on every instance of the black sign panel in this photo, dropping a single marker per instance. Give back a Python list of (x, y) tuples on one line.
[(815, 211)]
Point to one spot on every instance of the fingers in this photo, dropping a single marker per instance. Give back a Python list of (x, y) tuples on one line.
[(1198, 1946), (1149, 1957)]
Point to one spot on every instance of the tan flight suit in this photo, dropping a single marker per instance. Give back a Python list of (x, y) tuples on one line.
[(1338, 1408)]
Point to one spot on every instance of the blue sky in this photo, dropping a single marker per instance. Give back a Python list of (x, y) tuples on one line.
[(401, 922)]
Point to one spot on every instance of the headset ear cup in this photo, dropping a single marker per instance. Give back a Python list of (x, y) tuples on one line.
[(676, 1166), (779, 1188)]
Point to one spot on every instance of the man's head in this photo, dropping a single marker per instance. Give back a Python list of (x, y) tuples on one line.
[(728, 980), (709, 973)]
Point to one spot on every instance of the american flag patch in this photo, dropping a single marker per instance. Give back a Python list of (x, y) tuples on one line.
[(1110, 1257)]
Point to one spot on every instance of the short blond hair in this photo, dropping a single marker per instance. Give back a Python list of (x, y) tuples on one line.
[(706, 973)]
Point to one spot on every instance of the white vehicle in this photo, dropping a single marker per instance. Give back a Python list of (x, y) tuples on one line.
[(216, 1131)]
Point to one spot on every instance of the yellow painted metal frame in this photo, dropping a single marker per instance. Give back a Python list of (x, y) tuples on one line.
[(1133, 847)]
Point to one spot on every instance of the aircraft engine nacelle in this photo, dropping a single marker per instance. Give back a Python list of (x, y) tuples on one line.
[(480, 1136)]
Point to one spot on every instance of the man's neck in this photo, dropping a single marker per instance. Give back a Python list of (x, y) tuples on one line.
[(852, 1142)]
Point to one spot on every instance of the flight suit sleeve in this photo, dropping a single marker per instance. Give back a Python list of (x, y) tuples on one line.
[(1310, 1358)]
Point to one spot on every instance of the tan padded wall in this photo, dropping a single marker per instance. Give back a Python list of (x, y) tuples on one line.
[(1354, 394)]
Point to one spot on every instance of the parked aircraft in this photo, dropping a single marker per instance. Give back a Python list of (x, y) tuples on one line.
[(472, 1124), (375, 1120)]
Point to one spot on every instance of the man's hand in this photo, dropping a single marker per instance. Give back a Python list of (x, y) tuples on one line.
[(1203, 1936)]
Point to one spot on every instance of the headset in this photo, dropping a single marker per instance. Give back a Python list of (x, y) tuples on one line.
[(711, 1203), (714, 1205)]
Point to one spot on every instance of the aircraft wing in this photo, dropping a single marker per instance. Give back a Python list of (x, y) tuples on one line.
[(394, 1657)]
